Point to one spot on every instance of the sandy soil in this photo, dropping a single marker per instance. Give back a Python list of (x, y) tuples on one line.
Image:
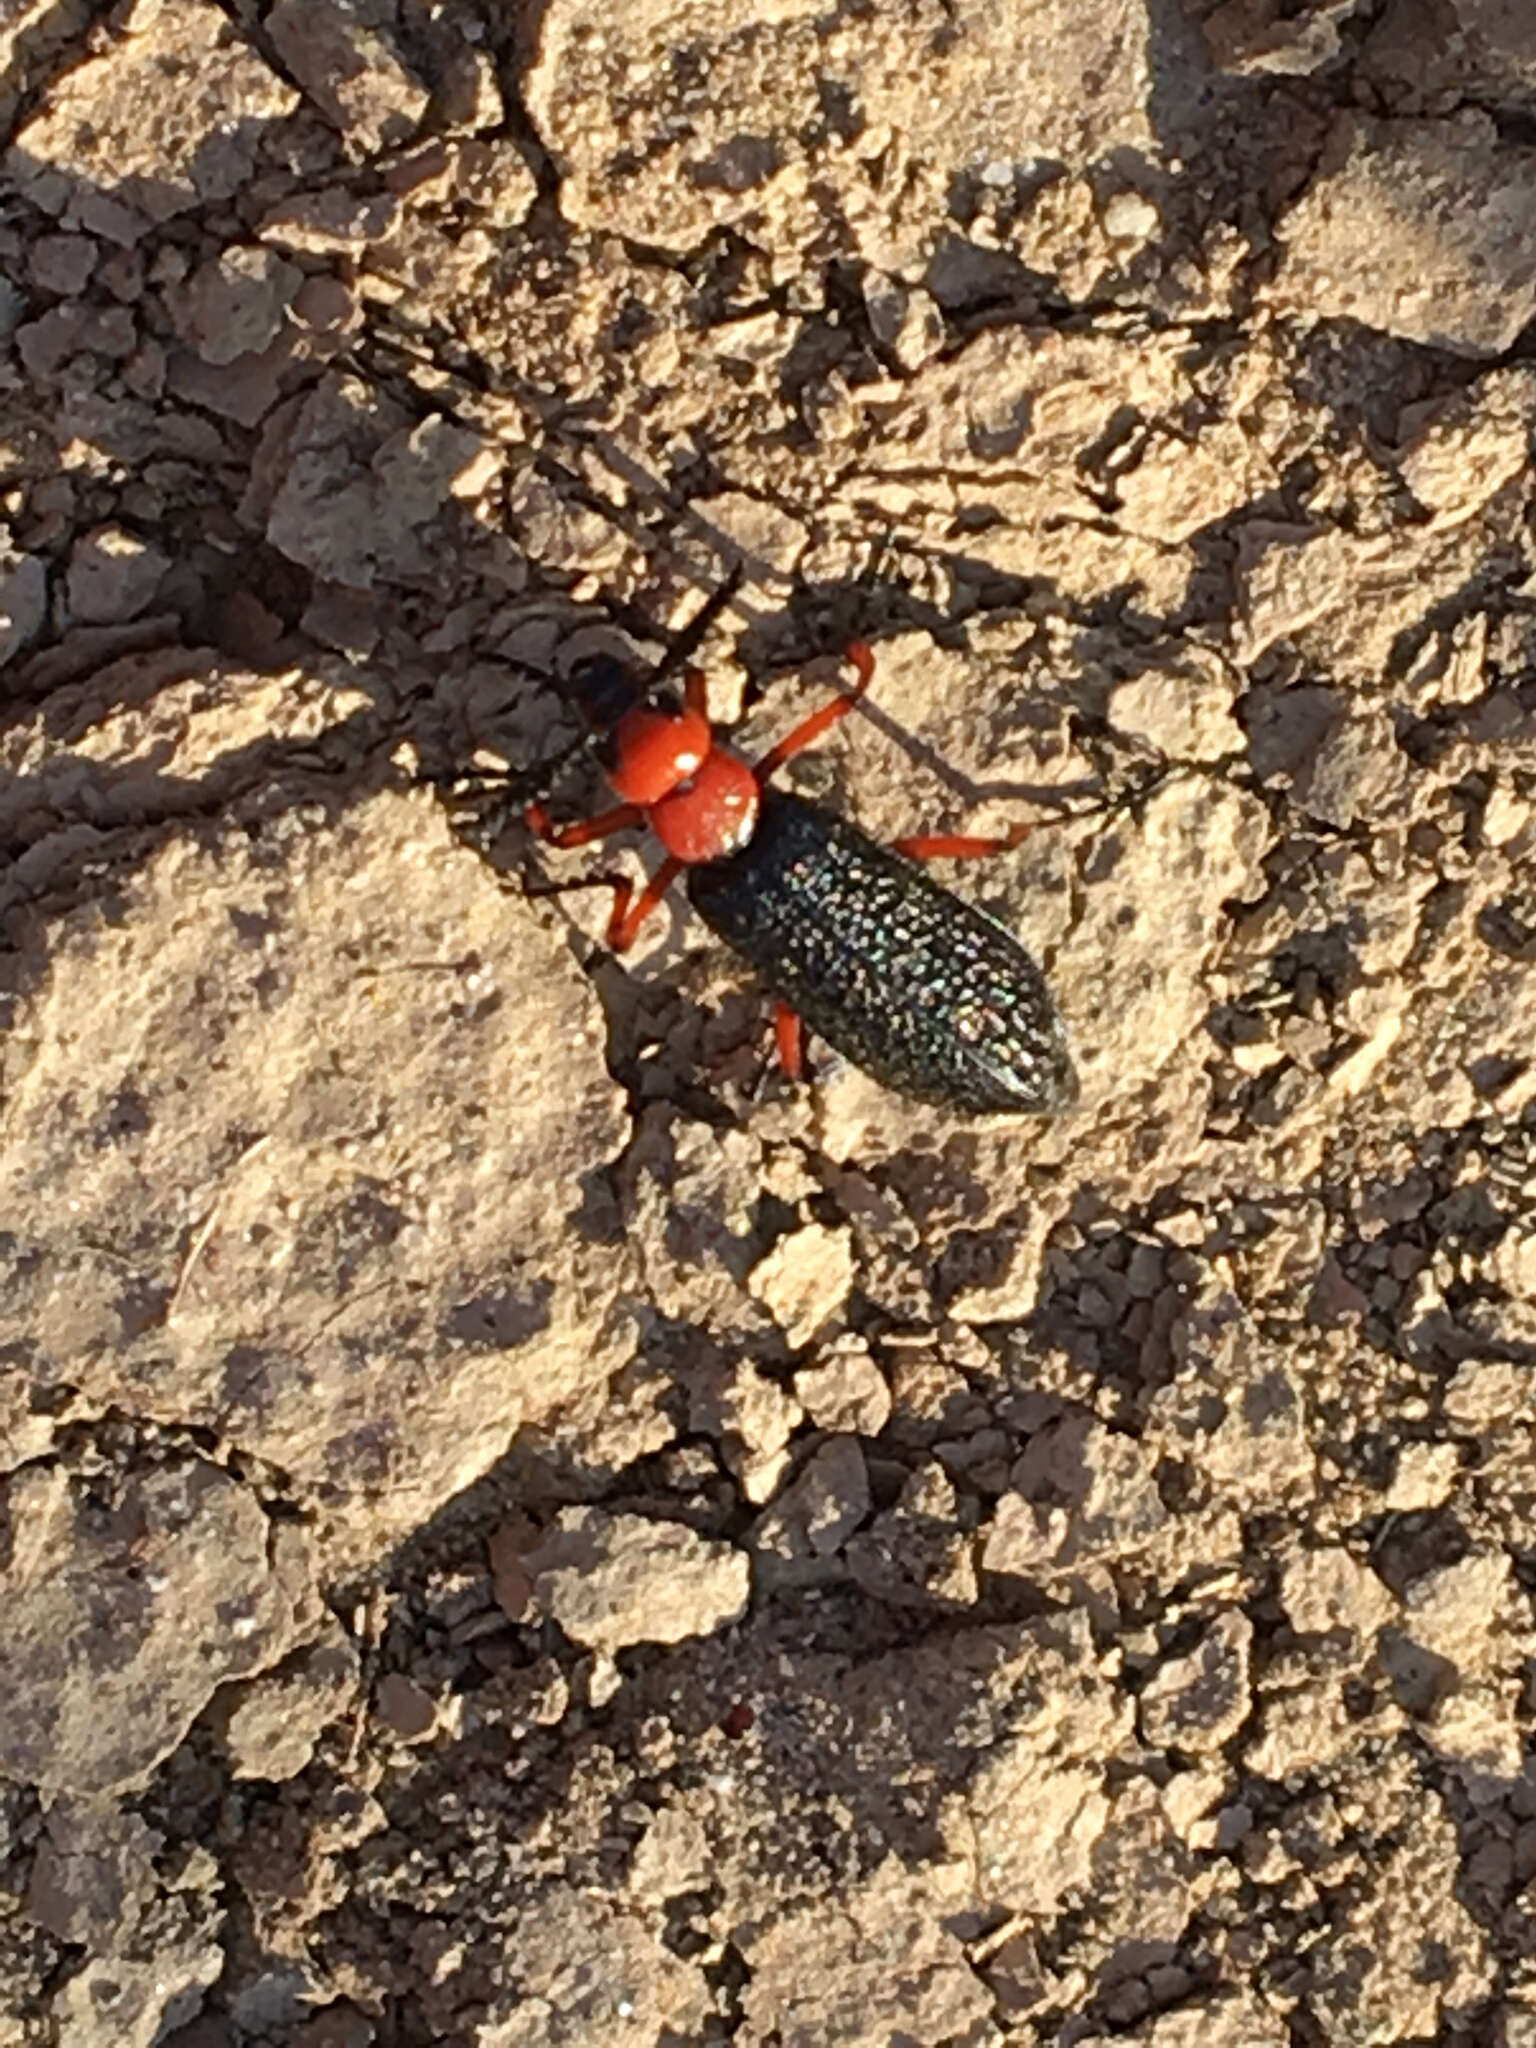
[(517, 1525)]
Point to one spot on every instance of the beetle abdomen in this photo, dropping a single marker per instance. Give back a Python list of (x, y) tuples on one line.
[(922, 990)]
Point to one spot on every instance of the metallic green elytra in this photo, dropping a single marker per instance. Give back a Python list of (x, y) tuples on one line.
[(925, 992)]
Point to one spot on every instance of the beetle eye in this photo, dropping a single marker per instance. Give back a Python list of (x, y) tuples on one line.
[(603, 688)]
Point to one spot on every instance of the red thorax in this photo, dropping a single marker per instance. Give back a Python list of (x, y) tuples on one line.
[(699, 798)]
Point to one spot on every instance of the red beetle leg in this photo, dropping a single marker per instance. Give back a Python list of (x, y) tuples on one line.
[(629, 912), (959, 845), (789, 1037), (696, 693), (812, 728), (629, 915)]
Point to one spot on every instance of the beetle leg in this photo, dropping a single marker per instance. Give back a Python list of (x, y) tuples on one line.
[(585, 830), (631, 911), (687, 641), (812, 728), (696, 692), (959, 845), (789, 1037)]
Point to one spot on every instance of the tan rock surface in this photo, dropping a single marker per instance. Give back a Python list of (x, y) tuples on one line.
[(517, 1524)]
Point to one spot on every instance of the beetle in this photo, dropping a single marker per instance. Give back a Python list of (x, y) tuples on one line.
[(927, 993)]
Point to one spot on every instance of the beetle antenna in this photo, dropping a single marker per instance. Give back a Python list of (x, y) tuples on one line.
[(687, 642)]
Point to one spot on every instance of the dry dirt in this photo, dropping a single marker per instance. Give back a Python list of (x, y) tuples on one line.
[(518, 1526)]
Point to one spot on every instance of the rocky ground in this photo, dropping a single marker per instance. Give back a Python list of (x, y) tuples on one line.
[(520, 1526)]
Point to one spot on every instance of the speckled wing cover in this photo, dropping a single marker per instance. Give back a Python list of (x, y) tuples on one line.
[(922, 990)]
